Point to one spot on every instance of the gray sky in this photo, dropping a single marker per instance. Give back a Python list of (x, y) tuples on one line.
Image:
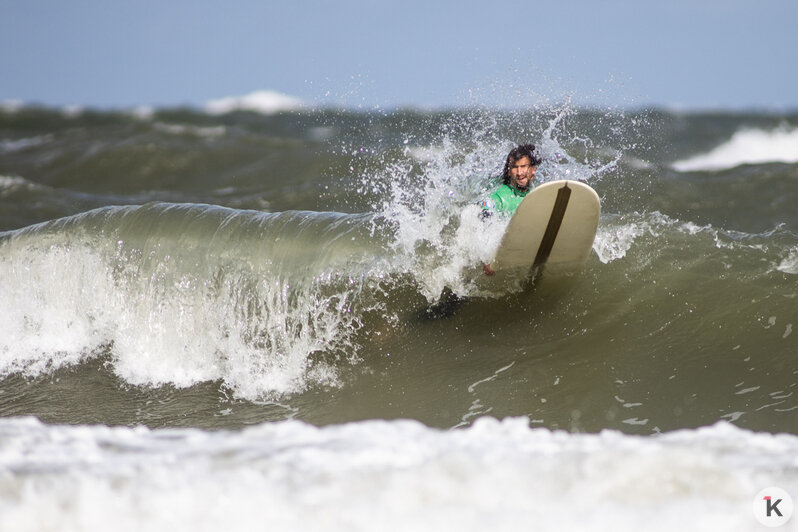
[(114, 53)]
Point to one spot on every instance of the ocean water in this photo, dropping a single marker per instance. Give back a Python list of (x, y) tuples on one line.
[(224, 318)]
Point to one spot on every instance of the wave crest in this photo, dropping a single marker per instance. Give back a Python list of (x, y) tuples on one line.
[(746, 146)]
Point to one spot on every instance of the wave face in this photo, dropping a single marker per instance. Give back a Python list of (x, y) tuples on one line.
[(182, 294)]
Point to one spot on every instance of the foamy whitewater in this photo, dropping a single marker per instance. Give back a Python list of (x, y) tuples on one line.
[(237, 318), (747, 146), (386, 475), (265, 102)]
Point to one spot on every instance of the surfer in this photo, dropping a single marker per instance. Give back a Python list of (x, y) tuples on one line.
[(517, 181), (518, 178)]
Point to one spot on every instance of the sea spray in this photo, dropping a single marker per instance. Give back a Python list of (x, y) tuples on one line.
[(431, 196)]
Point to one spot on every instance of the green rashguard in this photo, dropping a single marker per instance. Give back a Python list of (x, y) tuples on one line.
[(505, 200)]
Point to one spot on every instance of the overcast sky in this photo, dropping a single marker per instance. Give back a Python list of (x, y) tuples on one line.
[(677, 53)]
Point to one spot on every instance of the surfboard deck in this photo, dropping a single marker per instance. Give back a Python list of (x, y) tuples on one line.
[(554, 227)]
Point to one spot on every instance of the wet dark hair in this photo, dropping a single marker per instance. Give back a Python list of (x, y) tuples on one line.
[(519, 152)]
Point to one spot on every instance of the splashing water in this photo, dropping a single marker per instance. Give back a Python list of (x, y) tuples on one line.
[(187, 294), (431, 199)]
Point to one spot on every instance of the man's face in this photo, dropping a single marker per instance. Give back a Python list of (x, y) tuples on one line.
[(522, 173)]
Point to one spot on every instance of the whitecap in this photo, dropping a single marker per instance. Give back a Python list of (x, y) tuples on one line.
[(746, 146), (72, 110), (12, 106), (180, 129), (790, 263), (386, 475), (264, 102), (12, 145)]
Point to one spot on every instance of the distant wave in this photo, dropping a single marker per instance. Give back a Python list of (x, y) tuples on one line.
[(264, 102), (746, 146), (13, 145), (11, 106)]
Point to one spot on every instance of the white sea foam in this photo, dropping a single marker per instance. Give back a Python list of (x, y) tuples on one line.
[(616, 236), (264, 102), (439, 233), (13, 184), (386, 475), (12, 106), (12, 181), (747, 146), (790, 263), (73, 110), (143, 112), (65, 301), (8, 145), (613, 242), (47, 317), (180, 129)]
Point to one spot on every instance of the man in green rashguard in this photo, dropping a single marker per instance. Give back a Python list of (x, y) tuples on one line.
[(517, 177), (517, 180)]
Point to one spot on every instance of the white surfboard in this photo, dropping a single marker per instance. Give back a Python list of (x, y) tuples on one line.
[(554, 227)]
